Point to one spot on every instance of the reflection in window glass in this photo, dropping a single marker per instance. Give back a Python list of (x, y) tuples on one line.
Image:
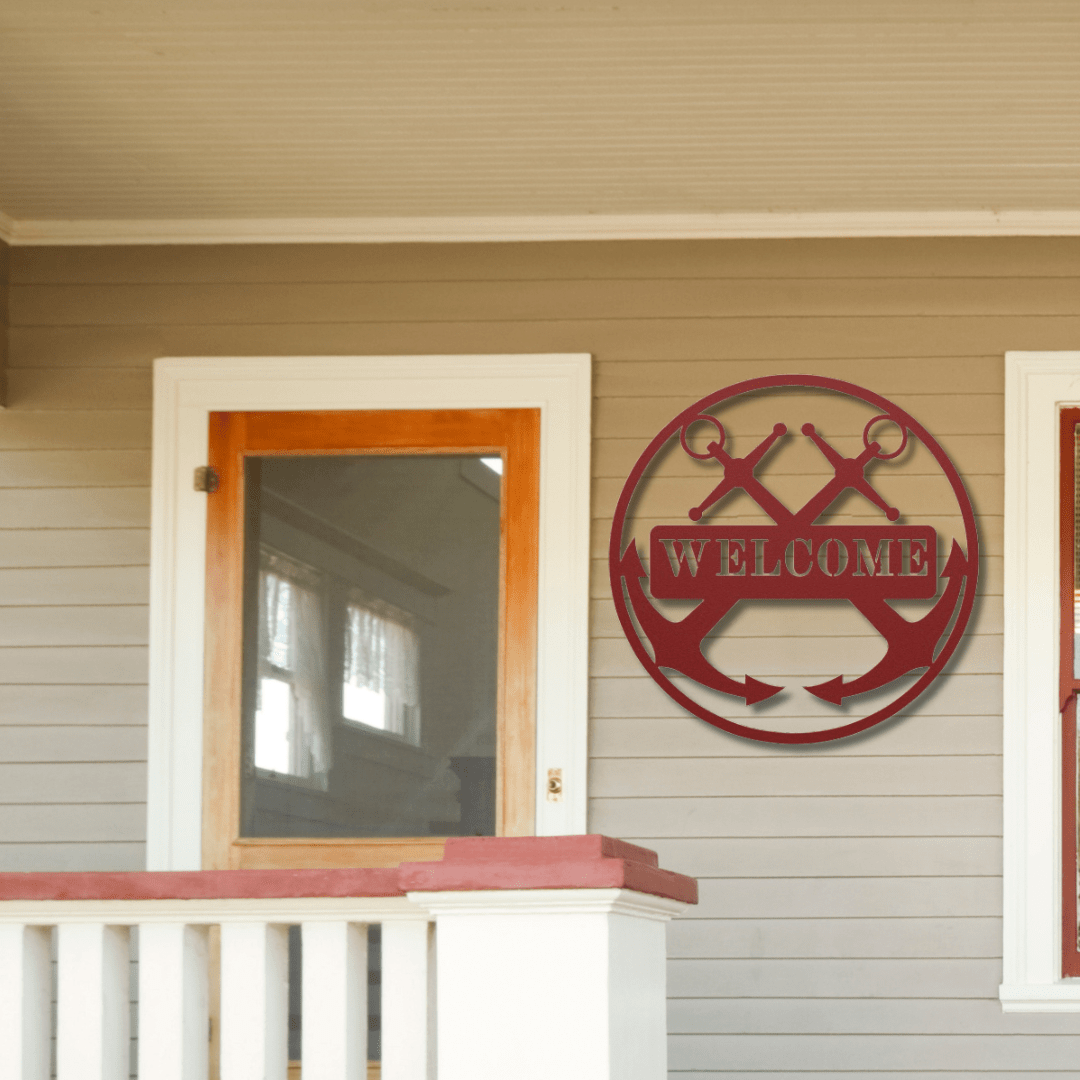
[(381, 686), (371, 632), (291, 719), (273, 725)]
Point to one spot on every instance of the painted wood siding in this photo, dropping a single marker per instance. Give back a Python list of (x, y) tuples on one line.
[(74, 553), (850, 922), (5, 265)]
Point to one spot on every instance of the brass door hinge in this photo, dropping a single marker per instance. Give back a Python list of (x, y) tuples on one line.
[(206, 479)]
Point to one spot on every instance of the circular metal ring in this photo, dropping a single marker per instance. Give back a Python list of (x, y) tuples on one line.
[(877, 420), (709, 419)]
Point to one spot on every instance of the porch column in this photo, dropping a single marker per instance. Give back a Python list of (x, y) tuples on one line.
[(563, 975), (567, 983)]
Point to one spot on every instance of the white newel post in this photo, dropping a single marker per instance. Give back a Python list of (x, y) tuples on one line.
[(25, 1002), (93, 1003), (541, 983), (174, 997), (254, 1001)]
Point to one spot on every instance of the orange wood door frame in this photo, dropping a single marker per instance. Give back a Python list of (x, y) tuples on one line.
[(512, 433)]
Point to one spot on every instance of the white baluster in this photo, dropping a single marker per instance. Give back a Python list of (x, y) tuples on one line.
[(254, 1001), (25, 1002), (334, 1028), (174, 1013), (406, 1012), (93, 1002)]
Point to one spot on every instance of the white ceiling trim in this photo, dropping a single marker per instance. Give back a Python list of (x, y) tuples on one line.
[(390, 230)]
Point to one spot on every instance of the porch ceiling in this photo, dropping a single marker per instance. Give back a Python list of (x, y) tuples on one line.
[(314, 109)]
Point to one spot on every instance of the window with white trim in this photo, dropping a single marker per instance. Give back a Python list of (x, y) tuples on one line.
[(1039, 796)]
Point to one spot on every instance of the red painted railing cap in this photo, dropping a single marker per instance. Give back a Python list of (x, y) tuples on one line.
[(200, 884), (538, 849), (477, 863), (470, 863)]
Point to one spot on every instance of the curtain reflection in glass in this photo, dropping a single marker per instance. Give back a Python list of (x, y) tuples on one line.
[(382, 670), (292, 734)]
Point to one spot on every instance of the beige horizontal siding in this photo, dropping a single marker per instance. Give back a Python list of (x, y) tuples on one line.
[(71, 858), (66, 664), (845, 856), (926, 732), (72, 782), (850, 897), (940, 1016), (53, 388), (968, 938), (63, 468), (851, 893), (803, 341), (66, 706), (526, 301), (58, 508), (613, 657), (823, 814), (124, 624), (5, 292), (75, 824), (854, 1053), (795, 979), (735, 259), (975, 774), (83, 742), (29, 548), (66, 585), (961, 694), (877, 1074), (82, 430)]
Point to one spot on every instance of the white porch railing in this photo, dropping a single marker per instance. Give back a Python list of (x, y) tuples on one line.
[(525, 958)]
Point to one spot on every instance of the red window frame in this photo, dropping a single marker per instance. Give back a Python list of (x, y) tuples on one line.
[(1068, 689)]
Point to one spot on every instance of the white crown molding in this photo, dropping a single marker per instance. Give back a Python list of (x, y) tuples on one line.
[(398, 230)]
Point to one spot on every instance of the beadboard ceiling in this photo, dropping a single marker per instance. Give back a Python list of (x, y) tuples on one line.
[(145, 115)]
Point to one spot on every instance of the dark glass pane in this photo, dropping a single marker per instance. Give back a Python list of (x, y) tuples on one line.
[(371, 611)]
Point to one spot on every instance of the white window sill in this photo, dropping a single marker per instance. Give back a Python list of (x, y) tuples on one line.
[(1059, 997)]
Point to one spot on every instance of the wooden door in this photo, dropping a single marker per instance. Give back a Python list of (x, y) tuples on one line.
[(239, 442)]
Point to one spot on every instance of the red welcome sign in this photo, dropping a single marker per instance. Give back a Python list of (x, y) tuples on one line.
[(679, 593)]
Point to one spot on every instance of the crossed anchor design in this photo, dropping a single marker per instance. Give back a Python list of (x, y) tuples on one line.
[(911, 644)]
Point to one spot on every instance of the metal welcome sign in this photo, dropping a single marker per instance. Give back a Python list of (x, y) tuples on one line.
[(794, 625)]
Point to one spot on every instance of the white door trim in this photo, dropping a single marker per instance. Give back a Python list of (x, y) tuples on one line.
[(188, 389)]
